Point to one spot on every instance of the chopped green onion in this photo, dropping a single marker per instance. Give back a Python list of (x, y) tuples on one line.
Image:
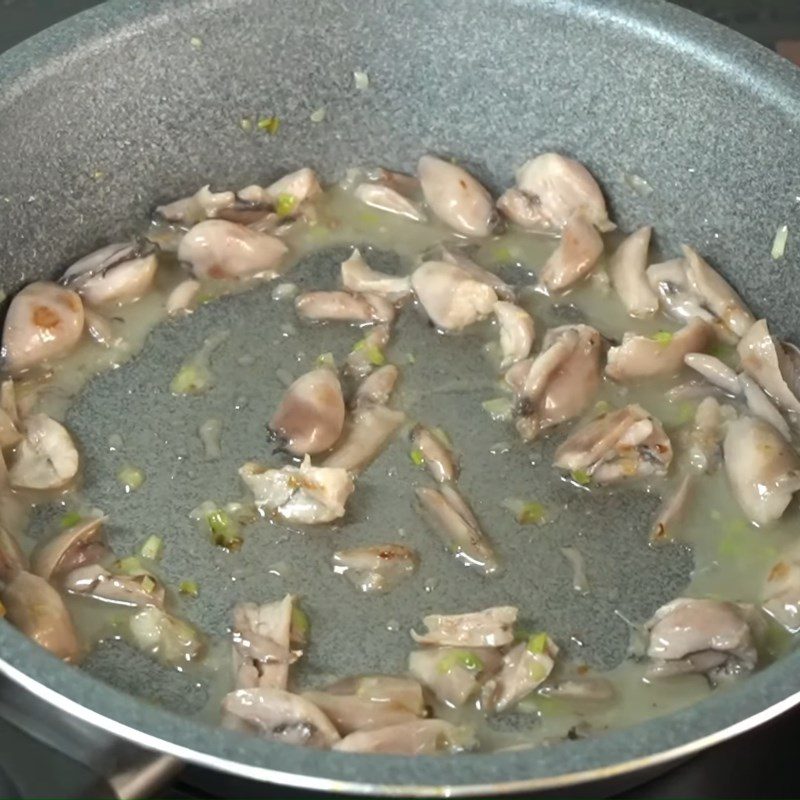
[(537, 643), (500, 409), (201, 298), (779, 244), (326, 360), (224, 530), (459, 658), (531, 514), (318, 115), (189, 587), (191, 379), (662, 337), (70, 518), (131, 478), (686, 412), (285, 204), (373, 353), (410, 358), (246, 124), (196, 42), (131, 565), (602, 407), (152, 548), (300, 622), (369, 218), (98, 175), (148, 584), (361, 80), (269, 125), (581, 476), (416, 457), (502, 254)]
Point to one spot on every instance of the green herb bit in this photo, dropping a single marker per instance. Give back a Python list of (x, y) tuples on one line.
[(153, 548), (196, 42), (686, 412), (131, 478), (602, 407), (581, 476), (502, 254), (189, 588), (201, 298), (373, 353), (246, 124), (286, 204), (301, 624), (224, 530), (662, 337), (269, 125), (369, 218), (532, 514), (411, 358), (326, 360), (148, 584), (131, 565), (416, 457), (70, 518), (191, 379), (459, 658), (537, 644), (499, 409)]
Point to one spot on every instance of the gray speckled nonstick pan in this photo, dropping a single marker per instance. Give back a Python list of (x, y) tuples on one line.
[(628, 86)]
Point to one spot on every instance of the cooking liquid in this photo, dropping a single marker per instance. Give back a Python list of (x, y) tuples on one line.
[(117, 403)]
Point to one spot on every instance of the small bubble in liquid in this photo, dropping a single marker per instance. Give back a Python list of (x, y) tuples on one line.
[(246, 360), (239, 403), (401, 532), (391, 472), (500, 448), (287, 330), (393, 625), (300, 356), (114, 442), (575, 640), (430, 584)]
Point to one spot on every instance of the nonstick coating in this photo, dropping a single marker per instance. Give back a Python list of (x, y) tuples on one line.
[(644, 88)]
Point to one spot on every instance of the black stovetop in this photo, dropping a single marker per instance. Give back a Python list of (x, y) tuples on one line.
[(761, 763)]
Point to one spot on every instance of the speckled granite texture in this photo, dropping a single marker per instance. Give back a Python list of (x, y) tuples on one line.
[(707, 118)]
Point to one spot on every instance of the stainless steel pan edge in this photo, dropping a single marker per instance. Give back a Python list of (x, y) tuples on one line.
[(706, 48)]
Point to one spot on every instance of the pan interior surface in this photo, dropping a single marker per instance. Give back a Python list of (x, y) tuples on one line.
[(171, 123)]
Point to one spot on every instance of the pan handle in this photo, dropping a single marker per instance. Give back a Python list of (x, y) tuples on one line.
[(47, 753)]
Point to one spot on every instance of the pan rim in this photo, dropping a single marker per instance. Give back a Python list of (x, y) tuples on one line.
[(766, 694)]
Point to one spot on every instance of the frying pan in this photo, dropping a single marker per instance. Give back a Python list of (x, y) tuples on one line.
[(708, 119)]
